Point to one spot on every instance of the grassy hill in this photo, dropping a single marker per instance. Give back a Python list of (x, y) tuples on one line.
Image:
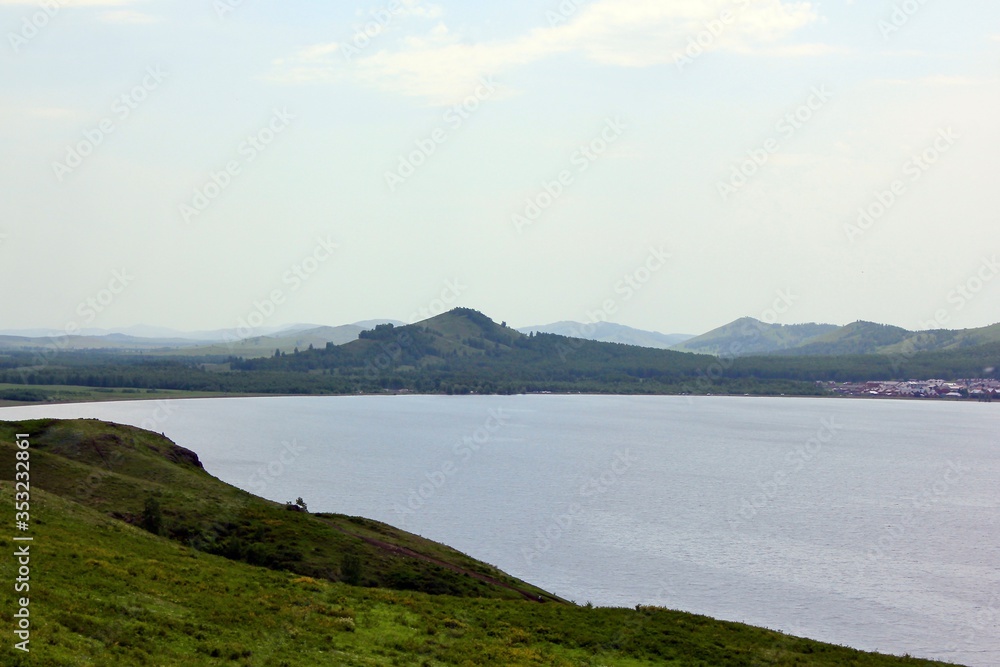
[(225, 578), (464, 351), (854, 338), (747, 336), (750, 337)]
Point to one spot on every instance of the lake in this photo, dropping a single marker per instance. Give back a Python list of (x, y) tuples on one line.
[(869, 523)]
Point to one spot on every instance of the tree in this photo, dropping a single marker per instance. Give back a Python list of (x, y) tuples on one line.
[(350, 569), (152, 516)]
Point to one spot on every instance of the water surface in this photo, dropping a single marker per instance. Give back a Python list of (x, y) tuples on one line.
[(869, 523)]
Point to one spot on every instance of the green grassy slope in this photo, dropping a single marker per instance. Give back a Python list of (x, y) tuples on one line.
[(750, 337), (114, 469), (854, 338), (747, 336), (106, 592)]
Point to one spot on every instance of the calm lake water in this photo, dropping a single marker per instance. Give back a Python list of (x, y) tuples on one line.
[(869, 523)]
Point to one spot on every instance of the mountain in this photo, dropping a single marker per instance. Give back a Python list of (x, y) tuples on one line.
[(141, 331), (464, 351), (946, 339), (143, 558), (747, 336), (871, 338), (855, 338), (120, 342), (219, 342), (286, 341), (371, 324), (609, 332)]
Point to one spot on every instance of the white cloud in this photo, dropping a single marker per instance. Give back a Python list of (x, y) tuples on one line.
[(442, 67), (125, 16), (940, 80), (74, 3), (416, 8)]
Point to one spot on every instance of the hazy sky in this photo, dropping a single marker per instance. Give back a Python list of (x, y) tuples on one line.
[(668, 164)]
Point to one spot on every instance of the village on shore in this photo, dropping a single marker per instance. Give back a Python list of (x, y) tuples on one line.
[(975, 389)]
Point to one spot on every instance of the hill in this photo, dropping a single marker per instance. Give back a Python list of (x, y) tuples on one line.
[(747, 336), (609, 332), (219, 343), (116, 581), (855, 338), (285, 341), (464, 351), (119, 342), (750, 337)]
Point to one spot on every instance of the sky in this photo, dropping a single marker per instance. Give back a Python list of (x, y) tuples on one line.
[(666, 164)]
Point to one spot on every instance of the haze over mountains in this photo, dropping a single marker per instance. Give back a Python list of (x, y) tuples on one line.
[(742, 337), (609, 332), (747, 336)]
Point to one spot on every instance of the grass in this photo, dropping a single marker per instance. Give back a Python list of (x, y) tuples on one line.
[(106, 592), (22, 394)]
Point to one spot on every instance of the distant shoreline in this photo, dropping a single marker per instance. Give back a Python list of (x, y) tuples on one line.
[(120, 395)]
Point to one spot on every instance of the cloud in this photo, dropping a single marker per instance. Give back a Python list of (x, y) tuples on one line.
[(442, 67), (126, 16), (74, 3), (940, 80)]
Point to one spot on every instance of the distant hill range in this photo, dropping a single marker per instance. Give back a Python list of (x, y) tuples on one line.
[(201, 343), (609, 332), (464, 351), (743, 337), (747, 336)]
